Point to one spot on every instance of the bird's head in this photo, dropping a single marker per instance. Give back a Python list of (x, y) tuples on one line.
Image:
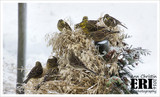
[(52, 62), (54, 58), (85, 18), (61, 21), (106, 15), (60, 24), (38, 63), (71, 53)]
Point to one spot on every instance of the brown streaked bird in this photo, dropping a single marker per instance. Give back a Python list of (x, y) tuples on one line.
[(75, 62), (50, 75), (101, 35), (62, 24), (86, 26), (111, 21), (35, 72), (51, 63)]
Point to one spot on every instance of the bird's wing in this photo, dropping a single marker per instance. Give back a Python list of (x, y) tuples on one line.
[(50, 73), (40, 70), (32, 71), (67, 26)]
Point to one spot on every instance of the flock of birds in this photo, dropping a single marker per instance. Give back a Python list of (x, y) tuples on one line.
[(37, 71), (98, 30), (92, 29)]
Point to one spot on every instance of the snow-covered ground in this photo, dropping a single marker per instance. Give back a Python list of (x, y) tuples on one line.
[(140, 18)]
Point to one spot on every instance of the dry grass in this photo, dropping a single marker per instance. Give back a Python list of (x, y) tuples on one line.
[(72, 81)]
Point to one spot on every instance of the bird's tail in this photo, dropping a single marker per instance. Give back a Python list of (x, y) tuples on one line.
[(123, 26), (26, 80)]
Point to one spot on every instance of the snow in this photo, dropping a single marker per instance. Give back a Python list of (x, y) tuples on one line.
[(140, 18)]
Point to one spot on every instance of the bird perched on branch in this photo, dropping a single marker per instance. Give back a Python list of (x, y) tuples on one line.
[(35, 72), (75, 62), (101, 35), (62, 24), (52, 72), (51, 63), (88, 25), (111, 21)]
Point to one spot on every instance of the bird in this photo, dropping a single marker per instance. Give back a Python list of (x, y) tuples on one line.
[(51, 63), (35, 72), (88, 25), (111, 21), (62, 24), (51, 74), (76, 63), (101, 35)]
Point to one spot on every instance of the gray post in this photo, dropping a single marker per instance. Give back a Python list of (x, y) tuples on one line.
[(22, 11)]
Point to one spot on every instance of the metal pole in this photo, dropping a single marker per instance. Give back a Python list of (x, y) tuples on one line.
[(22, 11)]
